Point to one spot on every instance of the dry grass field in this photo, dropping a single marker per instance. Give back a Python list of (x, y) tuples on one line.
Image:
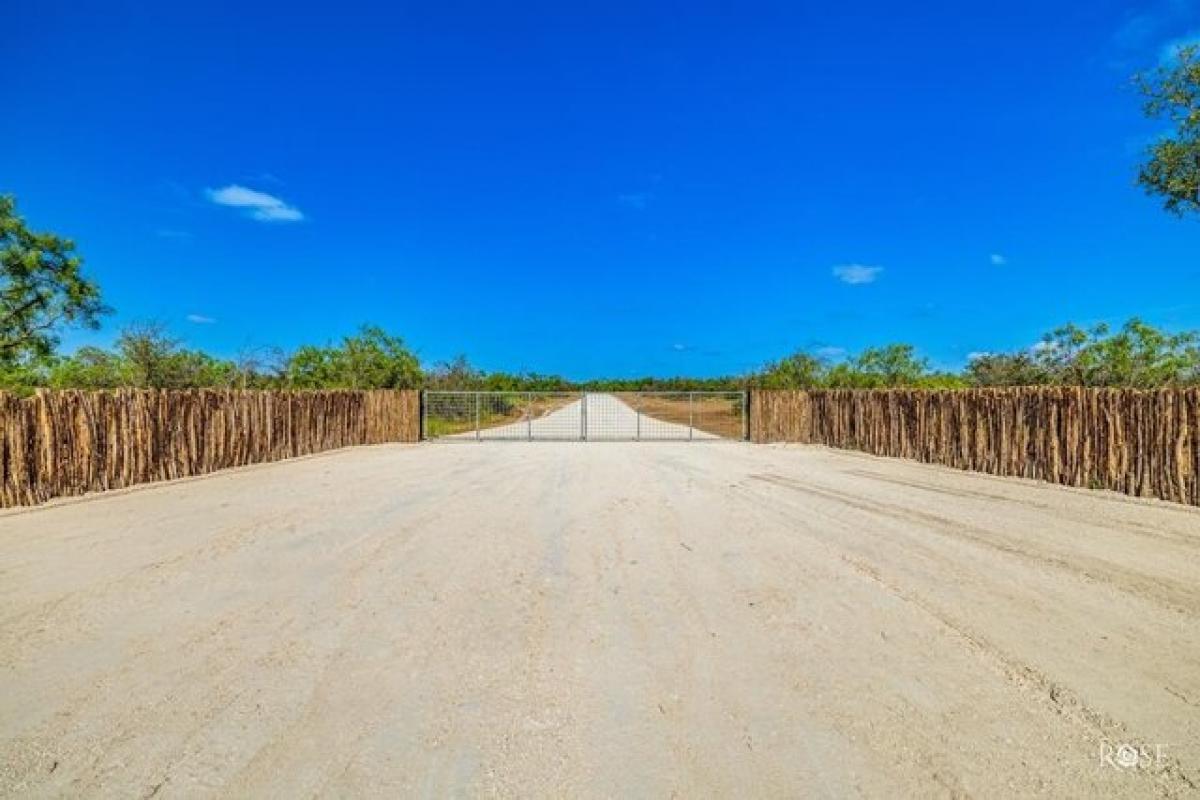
[(719, 415), (450, 419)]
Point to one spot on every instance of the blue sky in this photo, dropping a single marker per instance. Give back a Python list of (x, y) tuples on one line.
[(602, 188)]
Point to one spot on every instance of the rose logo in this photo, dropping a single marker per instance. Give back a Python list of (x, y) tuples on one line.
[(1127, 756)]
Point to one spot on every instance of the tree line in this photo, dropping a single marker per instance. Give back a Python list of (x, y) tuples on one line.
[(1137, 355), (43, 290), (148, 356)]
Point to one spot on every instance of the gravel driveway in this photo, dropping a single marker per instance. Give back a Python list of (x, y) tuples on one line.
[(635, 620)]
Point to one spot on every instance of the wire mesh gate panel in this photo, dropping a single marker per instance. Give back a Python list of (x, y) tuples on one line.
[(583, 416)]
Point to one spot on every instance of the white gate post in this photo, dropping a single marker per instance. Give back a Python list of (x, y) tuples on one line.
[(583, 416), (691, 421), (746, 416)]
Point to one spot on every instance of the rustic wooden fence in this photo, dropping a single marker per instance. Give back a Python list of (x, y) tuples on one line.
[(70, 442), (1144, 443)]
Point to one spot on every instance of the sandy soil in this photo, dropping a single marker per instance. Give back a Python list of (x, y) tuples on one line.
[(600, 620)]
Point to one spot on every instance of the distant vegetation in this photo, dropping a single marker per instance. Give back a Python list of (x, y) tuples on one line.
[(43, 291), (1138, 355), (147, 356)]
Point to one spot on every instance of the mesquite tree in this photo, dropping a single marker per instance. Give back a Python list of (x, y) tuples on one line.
[(42, 289), (1172, 170)]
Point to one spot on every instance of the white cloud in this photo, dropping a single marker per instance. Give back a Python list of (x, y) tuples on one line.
[(1148, 29), (1151, 20), (998, 260), (679, 347), (855, 274), (200, 319), (831, 353), (974, 354), (1169, 53), (258, 205), (284, 214)]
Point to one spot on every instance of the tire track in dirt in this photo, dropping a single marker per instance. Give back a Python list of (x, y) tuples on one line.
[(1172, 779), (1181, 599)]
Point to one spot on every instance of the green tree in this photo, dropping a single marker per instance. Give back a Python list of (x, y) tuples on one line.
[(374, 359), (458, 373), (90, 368), (880, 367), (154, 359), (148, 352), (1139, 355), (1143, 356), (537, 382), (23, 377), (371, 359), (1005, 369), (1060, 353), (1172, 169), (260, 368), (797, 371), (312, 367), (42, 289)]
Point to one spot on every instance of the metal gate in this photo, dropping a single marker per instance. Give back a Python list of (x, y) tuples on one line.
[(583, 416)]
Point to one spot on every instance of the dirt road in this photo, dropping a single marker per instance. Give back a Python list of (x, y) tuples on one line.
[(564, 620), (607, 418)]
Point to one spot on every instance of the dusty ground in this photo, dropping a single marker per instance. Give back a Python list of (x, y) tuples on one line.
[(600, 620)]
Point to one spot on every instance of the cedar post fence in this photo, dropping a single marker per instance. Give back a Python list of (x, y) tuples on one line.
[(70, 442), (1143, 443)]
